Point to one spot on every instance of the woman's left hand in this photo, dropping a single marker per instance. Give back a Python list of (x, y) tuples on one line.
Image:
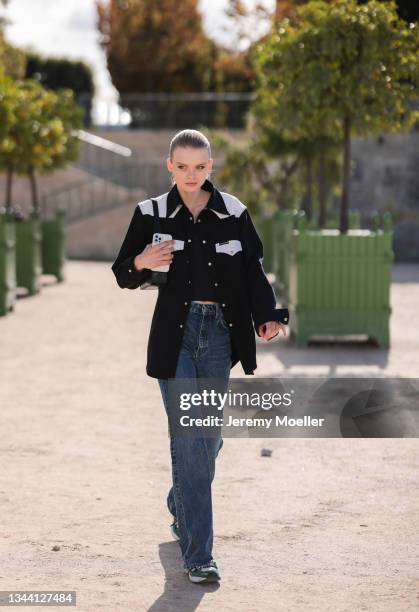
[(270, 329)]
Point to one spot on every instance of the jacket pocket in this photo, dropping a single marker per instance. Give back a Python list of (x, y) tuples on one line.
[(230, 247)]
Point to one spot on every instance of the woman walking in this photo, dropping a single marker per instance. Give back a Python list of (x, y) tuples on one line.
[(216, 296)]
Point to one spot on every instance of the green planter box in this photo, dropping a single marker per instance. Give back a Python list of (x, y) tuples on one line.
[(283, 224), (340, 284), (29, 253), (265, 228), (7, 264), (53, 245), (276, 235)]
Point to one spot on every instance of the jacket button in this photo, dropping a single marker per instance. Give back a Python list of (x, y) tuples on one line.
[(215, 284), (223, 304), (231, 324), (186, 303), (204, 241), (181, 325), (209, 263), (130, 270), (190, 218), (189, 282), (189, 240), (187, 261), (199, 220)]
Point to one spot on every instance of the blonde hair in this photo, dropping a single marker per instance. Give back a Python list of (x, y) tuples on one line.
[(189, 138)]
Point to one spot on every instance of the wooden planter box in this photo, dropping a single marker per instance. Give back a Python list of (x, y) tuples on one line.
[(29, 254), (276, 235), (340, 284), (266, 228), (53, 245), (284, 223), (7, 264)]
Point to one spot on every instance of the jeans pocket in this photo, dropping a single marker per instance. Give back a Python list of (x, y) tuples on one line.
[(221, 321)]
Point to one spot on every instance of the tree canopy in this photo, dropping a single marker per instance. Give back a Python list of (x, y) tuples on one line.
[(12, 59), (38, 129), (342, 69), (155, 45)]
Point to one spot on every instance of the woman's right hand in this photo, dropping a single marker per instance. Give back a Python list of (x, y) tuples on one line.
[(155, 255)]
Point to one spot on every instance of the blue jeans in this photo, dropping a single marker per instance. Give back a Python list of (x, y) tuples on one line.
[(205, 353)]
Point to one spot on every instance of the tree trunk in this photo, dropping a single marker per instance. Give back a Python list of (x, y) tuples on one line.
[(322, 186), (34, 189), (9, 185), (346, 175), (307, 205)]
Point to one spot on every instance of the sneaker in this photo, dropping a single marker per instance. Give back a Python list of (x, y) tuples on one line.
[(207, 573), (174, 528)]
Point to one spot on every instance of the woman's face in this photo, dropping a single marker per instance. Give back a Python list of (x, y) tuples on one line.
[(190, 167)]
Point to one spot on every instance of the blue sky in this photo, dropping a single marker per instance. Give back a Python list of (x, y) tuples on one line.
[(68, 27)]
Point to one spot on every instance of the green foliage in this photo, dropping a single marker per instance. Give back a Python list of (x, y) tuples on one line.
[(245, 171), (38, 127), (8, 94), (342, 60), (406, 9), (270, 178), (39, 133), (12, 59), (340, 69)]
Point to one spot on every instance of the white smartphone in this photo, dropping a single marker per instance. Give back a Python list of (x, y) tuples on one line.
[(158, 239)]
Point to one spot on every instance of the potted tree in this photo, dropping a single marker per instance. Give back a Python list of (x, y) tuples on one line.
[(341, 69), (41, 138), (7, 225), (61, 108)]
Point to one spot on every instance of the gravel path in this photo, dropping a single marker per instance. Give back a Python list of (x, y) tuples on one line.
[(321, 525)]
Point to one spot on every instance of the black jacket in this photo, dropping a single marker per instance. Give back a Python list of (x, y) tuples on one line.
[(235, 266)]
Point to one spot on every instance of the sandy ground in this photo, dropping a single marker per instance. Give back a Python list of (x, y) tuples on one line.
[(321, 525)]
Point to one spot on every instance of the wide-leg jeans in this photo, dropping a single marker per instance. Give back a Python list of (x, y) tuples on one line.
[(205, 353)]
